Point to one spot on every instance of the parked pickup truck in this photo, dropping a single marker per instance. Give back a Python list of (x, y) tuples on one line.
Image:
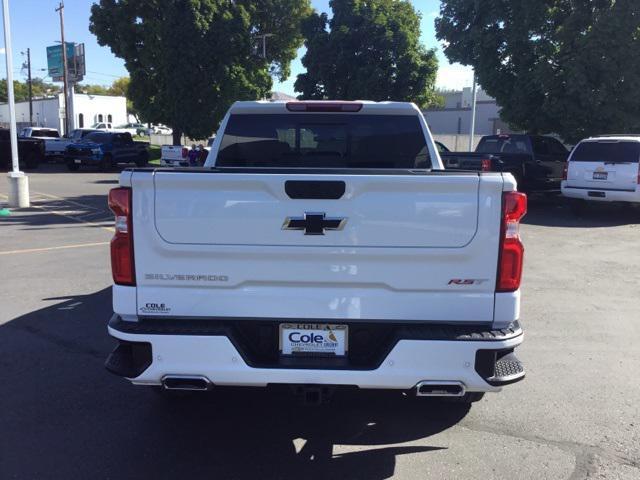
[(53, 145), (105, 150), (537, 162), (178, 155), (322, 245), (30, 151)]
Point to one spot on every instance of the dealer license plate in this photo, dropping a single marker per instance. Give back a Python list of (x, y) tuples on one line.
[(77, 160), (600, 175), (314, 339)]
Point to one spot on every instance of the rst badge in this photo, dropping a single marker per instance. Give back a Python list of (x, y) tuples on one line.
[(467, 281)]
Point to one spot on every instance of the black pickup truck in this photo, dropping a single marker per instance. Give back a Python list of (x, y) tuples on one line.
[(536, 161), (30, 151)]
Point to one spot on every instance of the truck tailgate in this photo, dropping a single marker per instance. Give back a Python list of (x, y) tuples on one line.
[(382, 247)]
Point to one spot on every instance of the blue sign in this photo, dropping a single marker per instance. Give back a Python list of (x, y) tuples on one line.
[(54, 60)]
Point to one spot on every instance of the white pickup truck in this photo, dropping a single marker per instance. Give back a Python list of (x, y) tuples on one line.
[(53, 145), (322, 245), (178, 155)]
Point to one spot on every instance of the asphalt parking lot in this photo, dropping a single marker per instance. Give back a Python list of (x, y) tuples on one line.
[(62, 416)]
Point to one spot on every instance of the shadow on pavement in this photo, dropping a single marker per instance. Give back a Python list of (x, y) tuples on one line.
[(107, 182), (551, 209), (63, 416), (44, 213), (61, 167)]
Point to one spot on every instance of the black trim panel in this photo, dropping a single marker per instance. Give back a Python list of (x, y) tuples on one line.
[(409, 331), (315, 189), (129, 359), (602, 189)]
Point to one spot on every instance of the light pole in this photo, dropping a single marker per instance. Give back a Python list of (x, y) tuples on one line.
[(474, 98), (64, 68), (18, 181)]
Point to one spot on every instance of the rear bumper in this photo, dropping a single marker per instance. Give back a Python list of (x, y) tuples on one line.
[(93, 159), (168, 347), (174, 163), (601, 195)]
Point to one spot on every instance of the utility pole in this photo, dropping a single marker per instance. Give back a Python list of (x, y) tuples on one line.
[(264, 46), (30, 85), (264, 43), (64, 68), (18, 181), (474, 98)]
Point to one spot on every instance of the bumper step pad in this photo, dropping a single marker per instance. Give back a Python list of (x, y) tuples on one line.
[(508, 369)]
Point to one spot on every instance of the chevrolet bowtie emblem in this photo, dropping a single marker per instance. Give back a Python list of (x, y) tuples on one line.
[(313, 223)]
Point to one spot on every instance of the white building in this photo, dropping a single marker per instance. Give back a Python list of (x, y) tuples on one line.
[(85, 110), (455, 117)]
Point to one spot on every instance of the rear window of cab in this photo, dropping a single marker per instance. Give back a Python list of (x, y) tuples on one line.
[(324, 141), (609, 151)]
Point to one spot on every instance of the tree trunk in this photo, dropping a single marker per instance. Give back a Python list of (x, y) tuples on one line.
[(177, 137)]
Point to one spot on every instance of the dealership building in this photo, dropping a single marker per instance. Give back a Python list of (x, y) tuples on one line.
[(84, 109)]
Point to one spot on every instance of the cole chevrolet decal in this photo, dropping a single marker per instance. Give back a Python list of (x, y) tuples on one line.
[(332, 336)]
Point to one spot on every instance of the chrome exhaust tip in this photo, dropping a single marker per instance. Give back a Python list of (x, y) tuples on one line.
[(186, 382), (440, 389)]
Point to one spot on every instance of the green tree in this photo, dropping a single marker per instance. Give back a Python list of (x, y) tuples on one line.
[(39, 89), (188, 60), (92, 89), (563, 66), (20, 91), (370, 49), (120, 87)]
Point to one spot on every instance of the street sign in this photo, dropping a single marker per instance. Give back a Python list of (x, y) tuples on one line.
[(75, 62), (77, 66)]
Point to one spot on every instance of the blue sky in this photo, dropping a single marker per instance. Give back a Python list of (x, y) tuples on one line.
[(35, 24)]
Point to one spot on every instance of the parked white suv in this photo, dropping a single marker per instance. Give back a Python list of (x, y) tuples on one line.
[(604, 169)]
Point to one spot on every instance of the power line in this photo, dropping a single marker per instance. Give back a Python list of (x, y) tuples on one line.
[(105, 74)]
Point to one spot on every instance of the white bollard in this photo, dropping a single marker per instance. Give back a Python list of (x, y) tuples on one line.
[(18, 190)]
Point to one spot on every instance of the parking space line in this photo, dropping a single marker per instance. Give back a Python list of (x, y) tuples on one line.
[(65, 214), (46, 249), (62, 199)]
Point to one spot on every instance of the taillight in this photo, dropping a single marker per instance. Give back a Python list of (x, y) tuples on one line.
[(324, 106), (485, 165), (122, 264), (185, 152), (511, 255), (565, 171)]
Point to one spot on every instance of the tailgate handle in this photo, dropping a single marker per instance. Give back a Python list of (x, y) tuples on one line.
[(314, 189)]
